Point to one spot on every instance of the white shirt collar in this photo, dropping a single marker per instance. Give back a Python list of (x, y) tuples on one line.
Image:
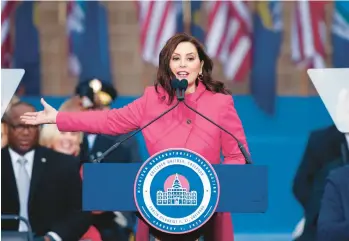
[(91, 138)]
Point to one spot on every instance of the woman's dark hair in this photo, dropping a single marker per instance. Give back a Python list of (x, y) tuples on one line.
[(164, 74)]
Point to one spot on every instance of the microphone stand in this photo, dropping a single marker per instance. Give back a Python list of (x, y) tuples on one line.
[(241, 146), (180, 91)]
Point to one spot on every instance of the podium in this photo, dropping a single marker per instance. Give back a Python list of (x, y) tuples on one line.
[(174, 205)]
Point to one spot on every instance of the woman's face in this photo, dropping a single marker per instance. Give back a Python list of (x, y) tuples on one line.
[(185, 63), (67, 143)]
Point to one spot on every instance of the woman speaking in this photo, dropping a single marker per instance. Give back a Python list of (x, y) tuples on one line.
[(183, 57)]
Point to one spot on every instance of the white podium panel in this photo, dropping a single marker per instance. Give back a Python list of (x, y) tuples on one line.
[(10, 79), (333, 88)]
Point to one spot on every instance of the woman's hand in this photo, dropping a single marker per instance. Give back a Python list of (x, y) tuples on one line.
[(47, 116)]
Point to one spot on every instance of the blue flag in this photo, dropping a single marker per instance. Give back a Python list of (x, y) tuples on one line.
[(179, 22), (105, 68), (340, 35), (267, 40), (195, 28), (91, 45), (27, 48)]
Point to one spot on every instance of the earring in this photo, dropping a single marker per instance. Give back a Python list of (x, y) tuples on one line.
[(200, 76)]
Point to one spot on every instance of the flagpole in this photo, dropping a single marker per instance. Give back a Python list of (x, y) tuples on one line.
[(62, 12), (186, 5)]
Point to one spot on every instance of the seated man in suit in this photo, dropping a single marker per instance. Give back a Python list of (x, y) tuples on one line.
[(333, 223), (326, 149), (95, 94), (39, 184)]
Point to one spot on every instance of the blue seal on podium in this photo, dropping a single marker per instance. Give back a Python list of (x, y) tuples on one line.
[(176, 191)]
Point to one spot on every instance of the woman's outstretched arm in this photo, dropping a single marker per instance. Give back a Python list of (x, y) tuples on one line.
[(110, 122)]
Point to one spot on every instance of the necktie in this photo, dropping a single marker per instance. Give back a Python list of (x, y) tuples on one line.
[(23, 184)]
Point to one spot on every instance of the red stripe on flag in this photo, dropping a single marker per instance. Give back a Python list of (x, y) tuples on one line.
[(6, 45), (145, 26), (162, 23)]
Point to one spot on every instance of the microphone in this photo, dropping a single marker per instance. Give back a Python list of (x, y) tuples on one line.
[(183, 84), (175, 85), (178, 86)]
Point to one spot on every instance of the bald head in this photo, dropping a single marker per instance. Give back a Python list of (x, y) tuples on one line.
[(16, 108), (21, 138)]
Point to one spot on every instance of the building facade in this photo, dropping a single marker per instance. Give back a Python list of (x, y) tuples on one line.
[(176, 195)]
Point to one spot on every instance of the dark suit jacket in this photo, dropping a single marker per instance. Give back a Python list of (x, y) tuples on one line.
[(333, 224), (325, 151), (55, 195), (126, 152)]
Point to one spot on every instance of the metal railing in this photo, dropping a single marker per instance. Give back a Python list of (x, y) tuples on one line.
[(16, 235)]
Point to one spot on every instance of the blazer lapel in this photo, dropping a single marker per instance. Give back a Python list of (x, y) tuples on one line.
[(340, 143), (38, 168), (345, 151), (9, 175)]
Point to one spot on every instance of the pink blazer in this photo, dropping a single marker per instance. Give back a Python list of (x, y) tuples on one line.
[(180, 128)]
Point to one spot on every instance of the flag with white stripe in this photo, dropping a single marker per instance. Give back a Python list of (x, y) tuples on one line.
[(308, 34), (7, 7), (75, 26), (228, 37), (158, 23)]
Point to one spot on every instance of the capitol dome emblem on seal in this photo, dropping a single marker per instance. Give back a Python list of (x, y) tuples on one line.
[(176, 191)]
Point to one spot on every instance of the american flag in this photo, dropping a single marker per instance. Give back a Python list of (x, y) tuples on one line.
[(308, 33), (158, 23), (228, 37), (7, 7), (75, 24)]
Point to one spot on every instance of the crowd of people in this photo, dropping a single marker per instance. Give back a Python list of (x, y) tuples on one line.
[(53, 167)]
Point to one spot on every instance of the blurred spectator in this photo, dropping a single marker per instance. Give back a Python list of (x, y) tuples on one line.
[(39, 184), (4, 127), (333, 224), (64, 142), (67, 143), (326, 150)]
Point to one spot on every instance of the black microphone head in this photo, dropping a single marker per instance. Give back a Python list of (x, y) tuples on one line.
[(183, 84), (175, 83)]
